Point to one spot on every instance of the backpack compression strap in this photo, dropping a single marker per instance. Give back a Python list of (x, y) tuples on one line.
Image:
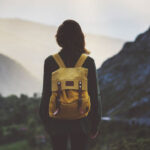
[(59, 60), (81, 60)]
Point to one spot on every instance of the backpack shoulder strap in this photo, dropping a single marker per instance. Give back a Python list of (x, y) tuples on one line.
[(81, 60), (58, 60)]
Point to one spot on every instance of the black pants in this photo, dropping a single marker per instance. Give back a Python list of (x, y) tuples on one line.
[(78, 141)]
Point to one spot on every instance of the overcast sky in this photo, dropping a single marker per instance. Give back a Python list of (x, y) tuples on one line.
[(116, 18)]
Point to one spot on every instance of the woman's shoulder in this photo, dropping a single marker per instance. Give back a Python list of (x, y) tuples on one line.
[(49, 60), (49, 63), (89, 61), (90, 58)]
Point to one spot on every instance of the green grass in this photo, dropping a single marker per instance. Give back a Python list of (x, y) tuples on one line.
[(23, 145), (20, 145)]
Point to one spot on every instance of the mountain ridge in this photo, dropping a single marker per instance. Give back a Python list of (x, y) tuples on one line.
[(125, 80), (30, 43), (15, 79)]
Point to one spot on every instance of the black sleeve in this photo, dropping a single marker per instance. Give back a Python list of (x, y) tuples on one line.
[(46, 92), (93, 89)]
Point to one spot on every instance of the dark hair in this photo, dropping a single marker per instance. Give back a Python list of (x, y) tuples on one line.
[(70, 37)]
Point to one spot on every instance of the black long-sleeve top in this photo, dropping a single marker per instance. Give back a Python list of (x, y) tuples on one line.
[(70, 60)]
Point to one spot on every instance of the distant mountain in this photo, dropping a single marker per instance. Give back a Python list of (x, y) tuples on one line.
[(125, 80), (27, 42), (15, 79), (30, 43)]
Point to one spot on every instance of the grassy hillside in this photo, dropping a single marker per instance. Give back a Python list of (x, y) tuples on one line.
[(21, 128)]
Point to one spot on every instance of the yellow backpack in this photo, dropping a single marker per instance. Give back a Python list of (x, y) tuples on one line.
[(70, 99)]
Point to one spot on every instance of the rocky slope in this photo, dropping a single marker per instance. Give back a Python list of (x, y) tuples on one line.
[(15, 79), (125, 80)]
